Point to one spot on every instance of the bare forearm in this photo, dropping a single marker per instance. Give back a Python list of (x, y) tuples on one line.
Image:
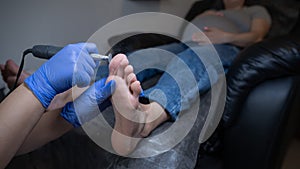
[(19, 113), (50, 127), (259, 28), (243, 39)]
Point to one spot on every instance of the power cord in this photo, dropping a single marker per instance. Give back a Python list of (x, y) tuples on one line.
[(39, 51), (26, 52)]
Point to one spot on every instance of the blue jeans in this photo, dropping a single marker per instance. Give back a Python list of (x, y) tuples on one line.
[(173, 90)]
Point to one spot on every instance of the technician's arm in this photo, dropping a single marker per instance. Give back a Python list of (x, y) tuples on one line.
[(23, 108), (50, 127), (55, 123), (19, 113)]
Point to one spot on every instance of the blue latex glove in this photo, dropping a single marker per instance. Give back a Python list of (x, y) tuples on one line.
[(70, 66), (86, 105)]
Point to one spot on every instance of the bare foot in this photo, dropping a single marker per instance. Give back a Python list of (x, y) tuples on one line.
[(128, 120), (133, 120), (9, 73)]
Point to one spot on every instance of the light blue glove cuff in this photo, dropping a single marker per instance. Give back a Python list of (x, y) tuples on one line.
[(87, 103), (68, 113), (41, 88)]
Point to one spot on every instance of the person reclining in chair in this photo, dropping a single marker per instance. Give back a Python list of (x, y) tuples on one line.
[(229, 30)]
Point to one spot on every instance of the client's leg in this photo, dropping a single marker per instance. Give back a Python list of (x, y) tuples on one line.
[(9, 73), (187, 76), (133, 120)]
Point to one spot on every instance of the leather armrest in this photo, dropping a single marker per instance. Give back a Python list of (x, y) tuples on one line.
[(269, 59), (265, 126)]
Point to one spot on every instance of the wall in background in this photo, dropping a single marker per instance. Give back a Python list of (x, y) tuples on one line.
[(60, 22)]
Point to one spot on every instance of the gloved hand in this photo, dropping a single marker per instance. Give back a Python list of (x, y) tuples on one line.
[(85, 107), (71, 66)]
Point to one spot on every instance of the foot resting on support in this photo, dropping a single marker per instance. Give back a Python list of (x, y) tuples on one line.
[(133, 120)]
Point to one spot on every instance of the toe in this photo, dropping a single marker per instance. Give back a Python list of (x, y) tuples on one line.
[(130, 79), (136, 88), (128, 70), (115, 63), (121, 68), (12, 67)]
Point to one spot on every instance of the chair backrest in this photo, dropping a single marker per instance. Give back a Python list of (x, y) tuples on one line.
[(284, 14), (296, 30)]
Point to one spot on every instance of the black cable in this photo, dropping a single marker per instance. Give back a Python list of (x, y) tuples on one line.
[(39, 51), (26, 52)]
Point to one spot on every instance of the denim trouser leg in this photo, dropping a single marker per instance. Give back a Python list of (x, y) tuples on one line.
[(137, 59), (143, 65), (175, 90)]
